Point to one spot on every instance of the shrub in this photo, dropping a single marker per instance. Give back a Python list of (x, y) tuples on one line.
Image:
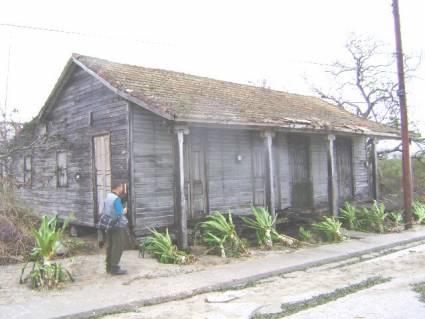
[(376, 217), (220, 233), (304, 234), (44, 273), (348, 215), (16, 222), (330, 228), (418, 210), (161, 247), (264, 225), (396, 218)]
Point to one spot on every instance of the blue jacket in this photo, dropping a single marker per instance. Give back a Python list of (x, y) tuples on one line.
[(113, 207)]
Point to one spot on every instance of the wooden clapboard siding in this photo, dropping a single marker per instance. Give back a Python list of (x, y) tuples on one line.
[(153, 171), (319, 170), (360, 169), (230, 184), (69, 118), (282, 157)]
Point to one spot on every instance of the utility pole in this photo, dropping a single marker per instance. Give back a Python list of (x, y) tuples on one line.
[(407, 178)]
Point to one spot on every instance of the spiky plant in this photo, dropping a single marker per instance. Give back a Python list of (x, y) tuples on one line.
[(377, 216), (161, 247), (418, 210), (220, 232), (348, 216), (264, 225), (304, 234), (330, 227), (396, 218), (44, 273)]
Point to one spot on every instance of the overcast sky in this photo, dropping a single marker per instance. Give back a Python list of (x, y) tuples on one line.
[(284, 42)]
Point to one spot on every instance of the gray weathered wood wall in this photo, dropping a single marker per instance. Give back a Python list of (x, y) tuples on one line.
[(228, 165), (152, 170), (69, 120)]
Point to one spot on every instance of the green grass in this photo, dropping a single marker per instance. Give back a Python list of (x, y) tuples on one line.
[(420, 289), (294, 307)]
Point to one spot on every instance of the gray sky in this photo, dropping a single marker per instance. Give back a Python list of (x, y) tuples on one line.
[(246, 41)]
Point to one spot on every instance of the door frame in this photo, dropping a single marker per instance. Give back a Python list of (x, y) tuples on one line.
[(189, 175), (349, 141), (94, 175)]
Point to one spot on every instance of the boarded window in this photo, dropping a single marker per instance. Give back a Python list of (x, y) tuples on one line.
[(28, 170), (62, 169)]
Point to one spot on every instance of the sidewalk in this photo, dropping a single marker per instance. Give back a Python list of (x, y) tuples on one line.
[(108, 294)]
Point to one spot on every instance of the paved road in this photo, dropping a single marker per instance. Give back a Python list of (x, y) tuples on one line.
[(393, 299)]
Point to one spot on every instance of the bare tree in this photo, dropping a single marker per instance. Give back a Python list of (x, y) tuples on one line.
[(366, 82)]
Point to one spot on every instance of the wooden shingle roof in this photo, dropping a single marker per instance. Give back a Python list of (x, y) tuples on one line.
[(187, 98)]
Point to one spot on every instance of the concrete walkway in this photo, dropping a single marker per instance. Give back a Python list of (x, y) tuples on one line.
[(120, 293)]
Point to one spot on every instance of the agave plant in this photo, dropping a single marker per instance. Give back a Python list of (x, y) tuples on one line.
[(330, 227), (376, 217), (161, 247), (264, 225), (44, 273), (396, 218), (220, 233), (418, 210), (304, 234), (348, 215)]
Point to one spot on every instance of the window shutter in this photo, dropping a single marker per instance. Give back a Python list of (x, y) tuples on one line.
[(62, 169)]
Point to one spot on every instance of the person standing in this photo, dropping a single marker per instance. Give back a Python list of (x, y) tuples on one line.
[(116, 236)]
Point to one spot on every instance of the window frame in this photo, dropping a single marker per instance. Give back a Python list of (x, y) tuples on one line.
[(28, 172)]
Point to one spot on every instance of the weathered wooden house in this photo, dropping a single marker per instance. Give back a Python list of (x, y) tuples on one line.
[(187, 146)]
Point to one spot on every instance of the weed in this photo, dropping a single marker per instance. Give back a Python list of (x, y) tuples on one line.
[(294, 307), (420, 289)]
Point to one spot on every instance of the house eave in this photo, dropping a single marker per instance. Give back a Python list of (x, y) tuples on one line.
[(292, 127)]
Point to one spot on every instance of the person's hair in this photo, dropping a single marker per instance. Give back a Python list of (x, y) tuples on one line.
[(115, 185)]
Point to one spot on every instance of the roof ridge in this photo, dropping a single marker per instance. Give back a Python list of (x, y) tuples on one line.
[(77, 56)]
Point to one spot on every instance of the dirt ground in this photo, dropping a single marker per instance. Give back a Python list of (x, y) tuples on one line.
[(90, 269), (388, 300)]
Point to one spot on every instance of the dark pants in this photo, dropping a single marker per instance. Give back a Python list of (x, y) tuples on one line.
[(115, 244)]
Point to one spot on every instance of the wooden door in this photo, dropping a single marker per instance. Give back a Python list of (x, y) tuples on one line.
[(299, 165), (195, 175), (344, 169), (102, 170), (258, 171)]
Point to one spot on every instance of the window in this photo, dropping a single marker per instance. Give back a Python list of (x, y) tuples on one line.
[(62, 169), (28, 170)]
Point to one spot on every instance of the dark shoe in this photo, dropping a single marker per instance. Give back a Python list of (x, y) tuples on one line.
[(118, 271)]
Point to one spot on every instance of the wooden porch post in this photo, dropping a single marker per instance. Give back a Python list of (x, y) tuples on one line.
[(270, 191), (181, 205), (332, 185), (374, 160)]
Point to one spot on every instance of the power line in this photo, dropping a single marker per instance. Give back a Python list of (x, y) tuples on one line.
[(91, 35)]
